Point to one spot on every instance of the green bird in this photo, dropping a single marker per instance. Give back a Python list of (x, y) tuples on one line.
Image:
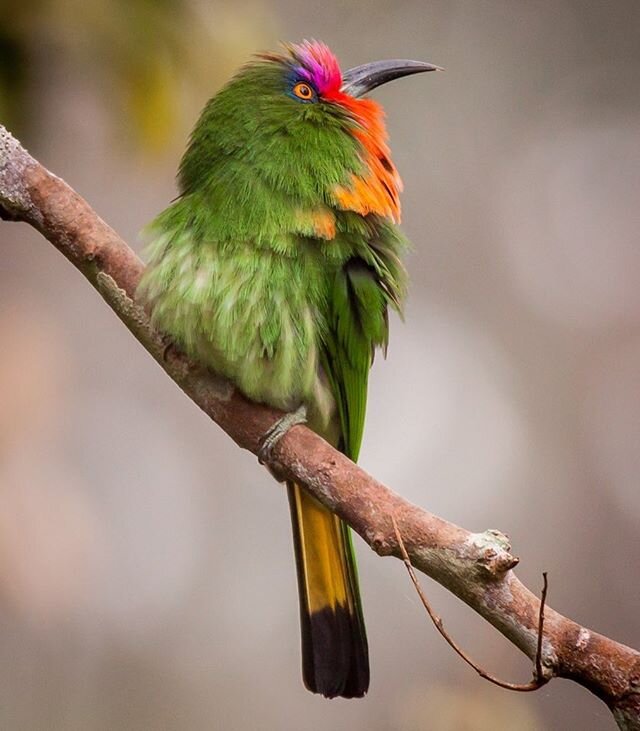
[(275, 267)]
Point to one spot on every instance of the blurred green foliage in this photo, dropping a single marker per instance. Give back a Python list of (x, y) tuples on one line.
[(154, 60)]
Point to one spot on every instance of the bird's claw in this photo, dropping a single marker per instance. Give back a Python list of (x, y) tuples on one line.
[(275, 433)]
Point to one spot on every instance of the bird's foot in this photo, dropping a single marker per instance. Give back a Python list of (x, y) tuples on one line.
[(278, 430)]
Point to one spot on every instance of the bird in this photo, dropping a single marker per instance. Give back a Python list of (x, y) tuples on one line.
[(276, 267)]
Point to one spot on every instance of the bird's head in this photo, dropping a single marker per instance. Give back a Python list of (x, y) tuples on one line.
[(295, 124)]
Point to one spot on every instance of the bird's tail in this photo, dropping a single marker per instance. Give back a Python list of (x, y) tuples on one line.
[(335, 658)]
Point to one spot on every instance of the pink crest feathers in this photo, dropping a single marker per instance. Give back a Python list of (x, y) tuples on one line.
[(318, 65)]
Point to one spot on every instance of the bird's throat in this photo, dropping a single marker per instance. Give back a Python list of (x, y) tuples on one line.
[(376, 189)]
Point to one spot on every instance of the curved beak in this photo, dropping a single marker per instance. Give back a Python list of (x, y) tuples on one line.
[(362, 79)]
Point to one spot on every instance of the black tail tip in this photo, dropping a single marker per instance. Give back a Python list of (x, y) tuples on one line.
[(335, 656), (346, 692)]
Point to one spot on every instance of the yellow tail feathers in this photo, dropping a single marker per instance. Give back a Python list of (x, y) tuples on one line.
[(334, 643)]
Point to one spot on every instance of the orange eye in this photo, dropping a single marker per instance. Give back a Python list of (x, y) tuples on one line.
[(303, 91)]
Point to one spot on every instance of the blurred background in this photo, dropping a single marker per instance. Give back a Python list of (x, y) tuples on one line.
[(146, 569)]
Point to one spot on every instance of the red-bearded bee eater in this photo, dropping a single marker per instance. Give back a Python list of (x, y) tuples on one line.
[(275, 267)]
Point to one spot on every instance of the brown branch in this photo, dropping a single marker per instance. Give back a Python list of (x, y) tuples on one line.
[(476, 567), (539, 678)]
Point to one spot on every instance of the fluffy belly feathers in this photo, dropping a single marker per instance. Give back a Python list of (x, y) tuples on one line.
[(251, 315)]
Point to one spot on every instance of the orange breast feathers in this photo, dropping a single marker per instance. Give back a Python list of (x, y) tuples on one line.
[(377, 189)]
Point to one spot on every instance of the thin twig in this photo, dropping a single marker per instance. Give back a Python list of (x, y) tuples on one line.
[(538, 679)]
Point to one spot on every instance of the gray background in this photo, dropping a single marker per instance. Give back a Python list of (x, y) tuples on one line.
[(146, 571)]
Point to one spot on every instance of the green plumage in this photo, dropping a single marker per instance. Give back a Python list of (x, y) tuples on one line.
[(241, 279)]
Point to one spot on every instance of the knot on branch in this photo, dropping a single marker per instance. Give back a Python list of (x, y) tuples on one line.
[(491, 552)]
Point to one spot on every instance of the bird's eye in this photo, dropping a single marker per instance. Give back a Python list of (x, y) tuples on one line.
[(303, 91)]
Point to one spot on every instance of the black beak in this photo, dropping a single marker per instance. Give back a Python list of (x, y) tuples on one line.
[(362, 79)]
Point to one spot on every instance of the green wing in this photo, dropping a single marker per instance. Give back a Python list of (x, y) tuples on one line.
[(358, 324), (364, 288)]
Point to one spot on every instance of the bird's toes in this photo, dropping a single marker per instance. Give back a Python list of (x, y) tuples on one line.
[(275, 433)]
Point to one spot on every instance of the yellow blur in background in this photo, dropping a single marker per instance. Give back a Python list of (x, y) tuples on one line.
[(146, 567)]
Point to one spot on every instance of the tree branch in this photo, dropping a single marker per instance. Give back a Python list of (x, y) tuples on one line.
[(476, 567)]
